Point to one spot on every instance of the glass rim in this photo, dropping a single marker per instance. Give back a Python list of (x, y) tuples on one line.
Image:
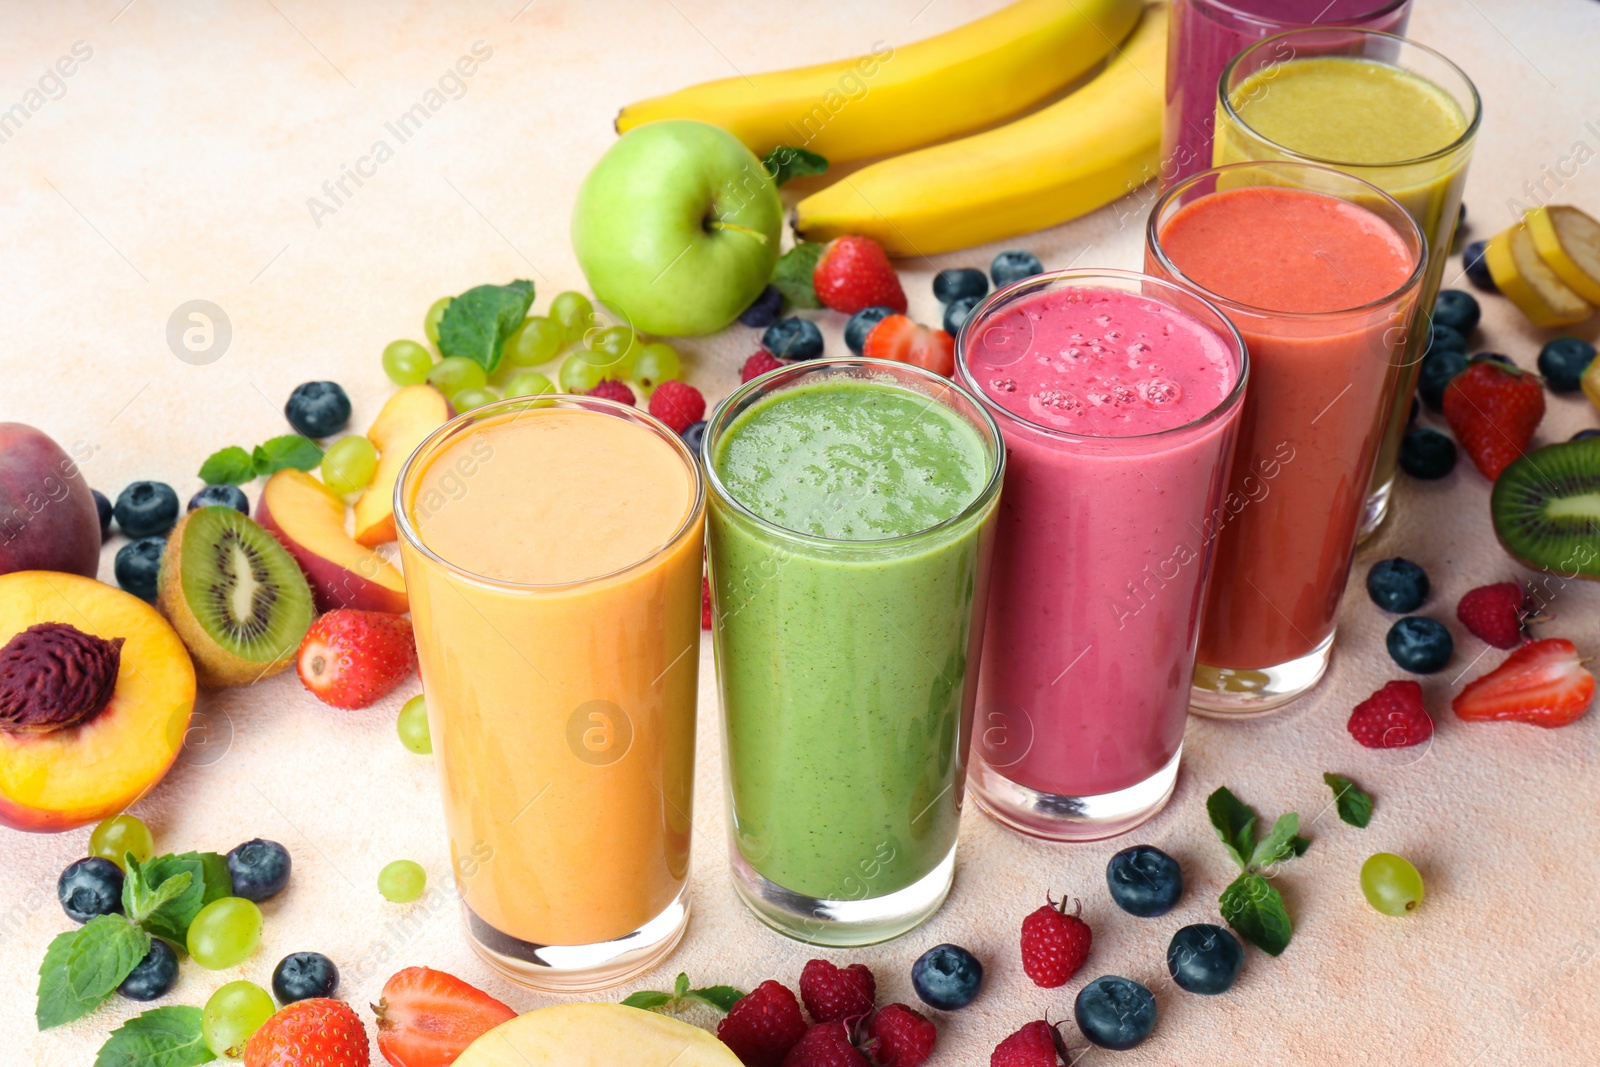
[(1413, 280), (740, 399), (1232, 337), (1378, 11), (433, 443), (1224, 97)]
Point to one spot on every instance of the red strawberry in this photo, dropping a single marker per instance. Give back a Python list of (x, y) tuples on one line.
[(758, 364), (1054, 944), (899, 339), (1035, 1045), (825, 1045), (611, 389), (351, 658), (1493, 409), (705, 603), (677, 404), (833, 993), (1543, 683), (1393, 717), (904, 1037), (1494, 613), (426, 1017), (310, 1033), (855, 273), (763, 1025)]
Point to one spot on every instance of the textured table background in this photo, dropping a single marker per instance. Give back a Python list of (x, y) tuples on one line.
[(177, 165)]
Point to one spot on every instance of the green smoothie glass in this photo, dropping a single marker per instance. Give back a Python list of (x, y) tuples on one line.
[(850, 523), (1380, 108)]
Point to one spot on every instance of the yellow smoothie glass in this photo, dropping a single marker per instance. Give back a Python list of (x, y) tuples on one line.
[(1383, 109), (552, 550)]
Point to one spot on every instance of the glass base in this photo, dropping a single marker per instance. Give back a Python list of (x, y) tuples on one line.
[(1234, 693), (1065, 818), (1376, 511), (580, 968), (842, 923)]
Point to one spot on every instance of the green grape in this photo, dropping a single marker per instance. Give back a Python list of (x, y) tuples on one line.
[(467, 399), (1390, 883), (233, 1013), (225, 933), (402, 881), (430, 321), (349, 464), (615, 348), (572, 312), (406, 362), (657, 362), (413, 726), (580, 373), (529, 383), (536, 341), (455, 373), (121, 834)]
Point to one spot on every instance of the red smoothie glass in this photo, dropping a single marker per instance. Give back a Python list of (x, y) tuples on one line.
[(1117, 395), (1319, 271)]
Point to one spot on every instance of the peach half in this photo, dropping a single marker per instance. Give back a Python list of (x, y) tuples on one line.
[(408, 417), (308, 520), (95, 695)]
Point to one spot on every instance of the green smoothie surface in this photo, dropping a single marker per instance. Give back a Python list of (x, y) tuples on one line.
[(852, 460)]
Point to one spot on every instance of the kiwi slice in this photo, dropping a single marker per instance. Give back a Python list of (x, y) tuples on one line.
[(1546, 509), (235, 596)]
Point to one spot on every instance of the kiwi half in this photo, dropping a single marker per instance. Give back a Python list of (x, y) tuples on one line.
[(235, 596), (1546, 509)]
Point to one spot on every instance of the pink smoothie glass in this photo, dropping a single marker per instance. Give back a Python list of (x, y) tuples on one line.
[(1118, 396)]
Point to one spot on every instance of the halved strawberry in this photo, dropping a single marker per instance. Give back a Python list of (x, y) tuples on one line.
[(899, 339), (426, 1017), (1543, 683), (351, 658)]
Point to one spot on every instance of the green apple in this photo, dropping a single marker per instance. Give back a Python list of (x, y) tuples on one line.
[(677, 227)]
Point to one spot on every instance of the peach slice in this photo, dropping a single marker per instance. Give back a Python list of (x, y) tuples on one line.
[(408, 417), (309, 520), (72, 772)]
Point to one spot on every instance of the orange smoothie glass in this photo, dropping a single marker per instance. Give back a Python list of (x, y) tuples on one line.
[(1319, 272), (552, 550)]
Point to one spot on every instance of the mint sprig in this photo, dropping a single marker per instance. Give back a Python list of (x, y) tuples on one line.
[(477, 323), (201, 877), (792, 275), (162, 1037), (234, 466), (784, 163), (1354, 805), (1251, 904), (720, 997)]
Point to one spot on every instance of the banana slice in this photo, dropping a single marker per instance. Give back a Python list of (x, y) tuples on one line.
[(1569, 242), (1530, 283)]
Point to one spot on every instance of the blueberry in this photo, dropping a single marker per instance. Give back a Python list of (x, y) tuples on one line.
[(1204, 959), (1398, 585), (303, 975), (1442, 337), (1563, 361), (956, 313), (146, 508), (1477, 267), (1420, 645), (1457, 309), (958, 282), (947, 977), (103, 506), (89, 887), (229, 496), (154, 976), (861, 324), (1012, 265), (764, 310), (318, 409), (1427, 454), (260, 869), (1584, 435), (1114, 1012), (693, 434), (1144, 881), (793, 338), (1435, 373), (138, 565)]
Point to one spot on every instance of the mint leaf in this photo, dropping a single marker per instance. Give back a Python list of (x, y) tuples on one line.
[(230, 466), (141, 899), (1253, 907), (648, 999), (1299, 844), (208, 880), (1235, 822), (721, 997), (783, 163), (57, 1002), (1355, 806), (1278, 844), (289, 452), (164, 1037), (793, 273), (477, 323), (102, 955)]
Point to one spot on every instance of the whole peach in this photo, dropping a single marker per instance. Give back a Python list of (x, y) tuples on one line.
[(48, 521)]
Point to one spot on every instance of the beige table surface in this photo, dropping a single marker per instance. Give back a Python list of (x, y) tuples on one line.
[(177, 165)]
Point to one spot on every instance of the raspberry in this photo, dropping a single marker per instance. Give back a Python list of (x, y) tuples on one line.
[(1393, 717), (825, 1045), (832, 994), (904, 1036), (1494, 613), (759, 364), (763, 1026), (1054, 944), (1035, 1045), (611, 389), (677, 404)]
